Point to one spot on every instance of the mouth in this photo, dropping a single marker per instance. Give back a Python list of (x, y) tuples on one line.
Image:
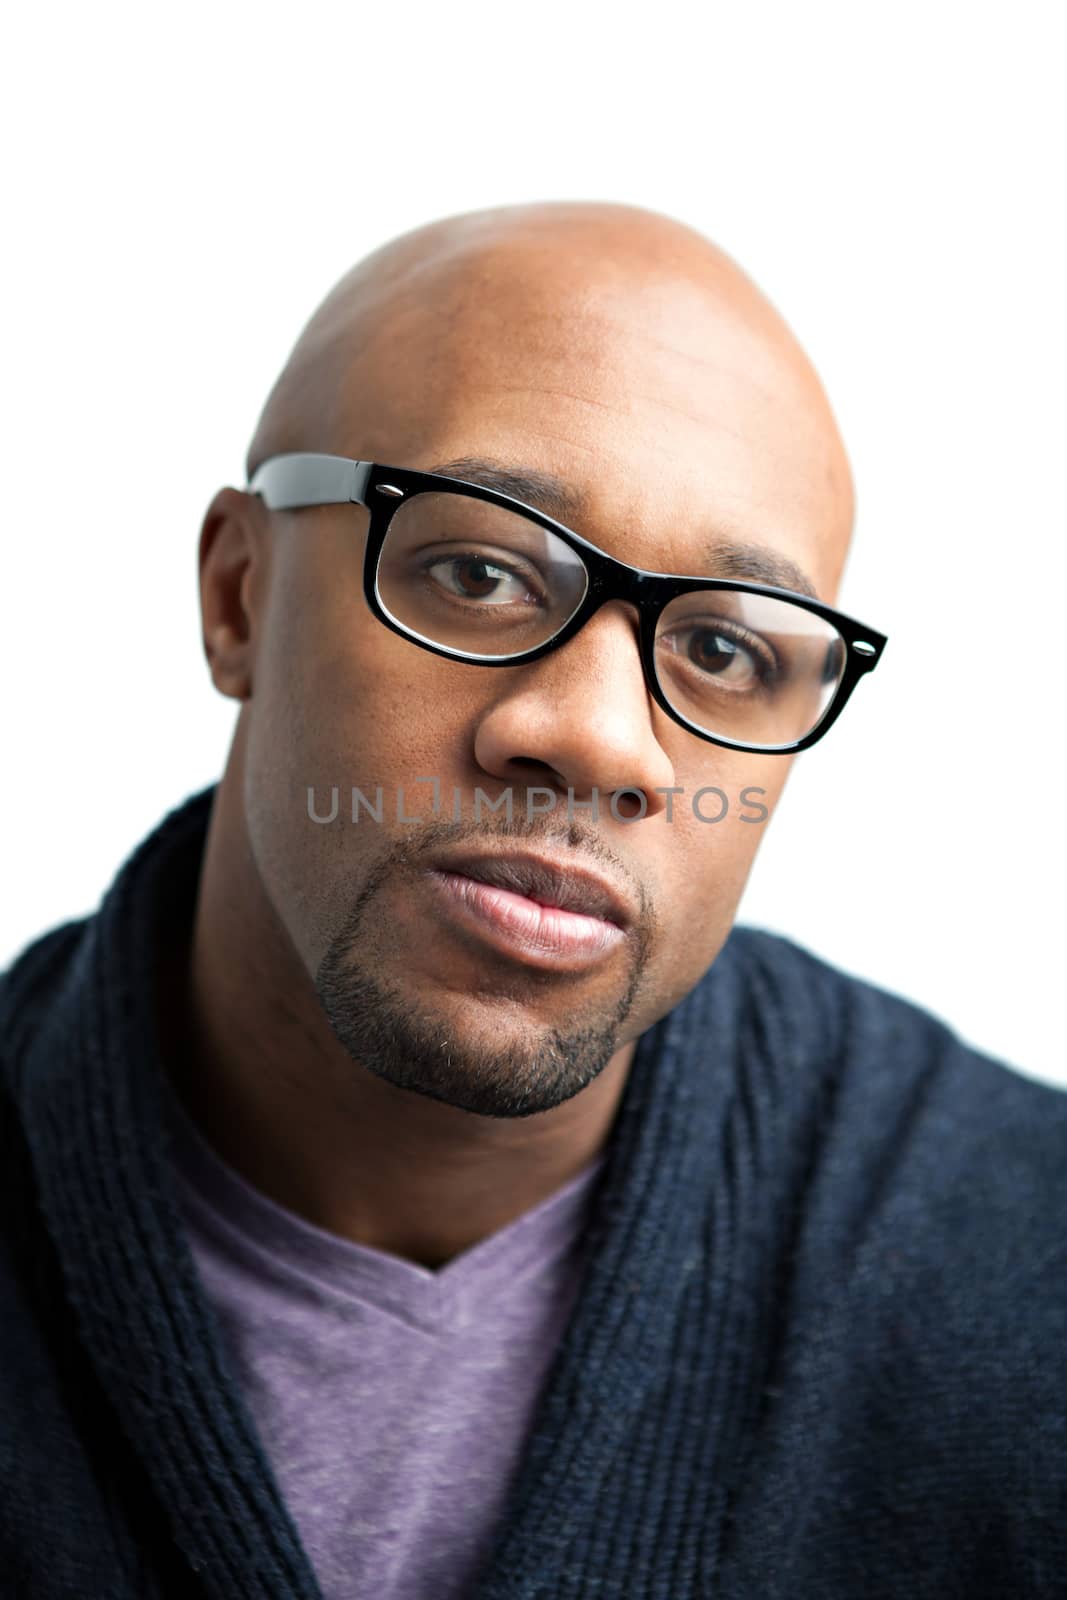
[(533, 909), (546, 882)]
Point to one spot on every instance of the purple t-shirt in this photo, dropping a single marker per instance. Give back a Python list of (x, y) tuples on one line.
[(394, 1402)]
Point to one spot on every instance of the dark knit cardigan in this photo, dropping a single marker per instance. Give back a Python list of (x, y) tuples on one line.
[(820, 1351)]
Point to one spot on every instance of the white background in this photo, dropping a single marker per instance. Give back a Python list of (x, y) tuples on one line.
[(183, 186)]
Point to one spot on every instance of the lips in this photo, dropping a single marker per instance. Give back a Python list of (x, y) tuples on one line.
[(545, 882)]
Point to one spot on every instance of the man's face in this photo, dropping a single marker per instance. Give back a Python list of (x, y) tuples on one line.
[(678, 421)]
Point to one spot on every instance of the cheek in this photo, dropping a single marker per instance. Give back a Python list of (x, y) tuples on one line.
[(334, 691), (708, 849), (338, 703), (711, 859), (302, 730)]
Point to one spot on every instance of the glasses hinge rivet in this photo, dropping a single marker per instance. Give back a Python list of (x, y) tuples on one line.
[(862, 647), (388, 488)]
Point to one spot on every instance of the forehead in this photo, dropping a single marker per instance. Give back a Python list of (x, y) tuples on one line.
[(671, 422)]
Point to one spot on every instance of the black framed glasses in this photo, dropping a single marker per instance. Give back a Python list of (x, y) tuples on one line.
[(472, 574)]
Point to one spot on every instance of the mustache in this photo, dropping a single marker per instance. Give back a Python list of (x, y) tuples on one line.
[(419, 844)]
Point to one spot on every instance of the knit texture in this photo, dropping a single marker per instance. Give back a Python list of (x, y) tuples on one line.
[(819, 1350)]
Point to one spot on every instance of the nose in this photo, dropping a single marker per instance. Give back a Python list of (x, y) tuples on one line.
[(581, 718)]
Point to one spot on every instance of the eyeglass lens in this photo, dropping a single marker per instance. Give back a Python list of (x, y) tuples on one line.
[(490, 583)]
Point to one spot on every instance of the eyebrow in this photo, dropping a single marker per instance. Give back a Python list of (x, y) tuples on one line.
[(730, 558)]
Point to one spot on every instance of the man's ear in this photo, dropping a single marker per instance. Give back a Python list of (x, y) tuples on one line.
[(233, 557)]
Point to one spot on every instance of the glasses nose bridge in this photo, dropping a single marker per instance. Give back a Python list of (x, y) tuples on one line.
[(612, 579), (615, 581)]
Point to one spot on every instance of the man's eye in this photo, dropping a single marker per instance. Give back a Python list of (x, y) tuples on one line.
[(476, 577), (720, 655), (731, 658)]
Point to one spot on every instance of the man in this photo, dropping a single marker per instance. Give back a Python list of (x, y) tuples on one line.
[(416, 1185)]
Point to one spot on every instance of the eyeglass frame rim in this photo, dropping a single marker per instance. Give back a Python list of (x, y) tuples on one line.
[(297, 480)]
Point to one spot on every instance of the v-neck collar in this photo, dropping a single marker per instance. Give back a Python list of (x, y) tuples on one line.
[(250, 1229)]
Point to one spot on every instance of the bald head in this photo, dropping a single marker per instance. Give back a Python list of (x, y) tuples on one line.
[(589, 303)]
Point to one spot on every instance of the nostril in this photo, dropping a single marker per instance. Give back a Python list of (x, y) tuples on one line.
[(539, 769), (628, 803)]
